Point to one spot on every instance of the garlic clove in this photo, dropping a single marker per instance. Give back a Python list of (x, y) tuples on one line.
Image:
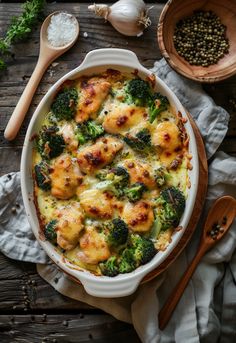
[(128, 17), (101, 10)]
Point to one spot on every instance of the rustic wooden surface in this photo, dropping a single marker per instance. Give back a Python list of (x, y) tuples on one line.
[(30, 310)]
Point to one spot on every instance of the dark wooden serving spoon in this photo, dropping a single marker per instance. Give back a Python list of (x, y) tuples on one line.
[(218, 222)]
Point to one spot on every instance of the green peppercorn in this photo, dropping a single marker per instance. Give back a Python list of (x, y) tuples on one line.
[(201, 38)]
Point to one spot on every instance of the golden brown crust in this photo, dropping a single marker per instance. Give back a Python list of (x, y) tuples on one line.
[(65, 177), (92, 95), (167, 136), (138, 216), (69, 225), (96, 204), (69, 137), (96, 156), (140, 172), (94, 248), (120, 120)]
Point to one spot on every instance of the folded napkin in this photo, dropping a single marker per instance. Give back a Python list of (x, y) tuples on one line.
[(207, 309)]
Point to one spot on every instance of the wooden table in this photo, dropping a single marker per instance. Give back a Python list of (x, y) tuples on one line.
[(30, 310)]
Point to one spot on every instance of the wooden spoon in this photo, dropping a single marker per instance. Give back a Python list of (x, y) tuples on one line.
[(47, 54), (219, 220)]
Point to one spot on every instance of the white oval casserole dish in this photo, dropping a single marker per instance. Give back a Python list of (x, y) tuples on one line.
[(97, 61)]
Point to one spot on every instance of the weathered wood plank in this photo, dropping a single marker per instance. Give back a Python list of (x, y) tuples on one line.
[(31, 293), (9, 159), (23, 289), (72, 328)]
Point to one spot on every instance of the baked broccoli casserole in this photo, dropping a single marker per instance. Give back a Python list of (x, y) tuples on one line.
[(110, 170)]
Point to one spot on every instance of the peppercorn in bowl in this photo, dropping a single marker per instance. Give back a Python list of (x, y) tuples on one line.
[(197, 38), (109, 172)]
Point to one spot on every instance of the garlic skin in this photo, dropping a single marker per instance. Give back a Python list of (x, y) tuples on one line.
[(128, 17)]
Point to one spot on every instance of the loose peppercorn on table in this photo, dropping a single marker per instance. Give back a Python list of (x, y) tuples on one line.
[(27, 303)]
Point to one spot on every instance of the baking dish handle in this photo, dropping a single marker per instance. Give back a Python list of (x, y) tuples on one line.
[(111, 56), (103, 289)]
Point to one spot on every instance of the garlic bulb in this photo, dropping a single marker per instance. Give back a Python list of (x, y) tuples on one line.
[(128, 17)]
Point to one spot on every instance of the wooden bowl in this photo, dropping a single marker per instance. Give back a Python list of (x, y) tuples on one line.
[(175, 10)]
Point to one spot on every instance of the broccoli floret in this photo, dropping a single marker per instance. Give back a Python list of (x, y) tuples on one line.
[(88, 130), (114, 180), (157, 104), (50, 231), (140, 142), (144, 249), (49, 143), (175, 197), (94, 130), (65, 103), (144, 136), (135, 191), (42, 176), (138, 92), (119, 173), (118, 232), (161, 175), (139, 251), (109, 267), (172, 203), (127, 261), (110, 186), (168, 217)]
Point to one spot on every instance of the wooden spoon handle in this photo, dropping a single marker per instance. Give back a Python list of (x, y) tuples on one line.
[(173, 299), (22, 107)]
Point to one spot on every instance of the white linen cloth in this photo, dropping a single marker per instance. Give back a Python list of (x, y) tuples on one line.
[(207, 309)]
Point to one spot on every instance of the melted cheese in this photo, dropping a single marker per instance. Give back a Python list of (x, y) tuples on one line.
[(138, 216), (69, 136), (93, 247), (167, 136), (65, 177), (98, 155), (140, 172), (121, 118), (164, 239), (96, 204), (69, 225), (92, 95)]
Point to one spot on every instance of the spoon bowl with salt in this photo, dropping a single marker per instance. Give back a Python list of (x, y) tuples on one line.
[(58, 34)]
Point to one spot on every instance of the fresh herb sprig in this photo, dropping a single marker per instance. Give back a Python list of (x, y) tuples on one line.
[(21, 27)]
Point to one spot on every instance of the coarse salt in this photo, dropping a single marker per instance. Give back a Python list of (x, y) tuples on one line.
[(62, 29)]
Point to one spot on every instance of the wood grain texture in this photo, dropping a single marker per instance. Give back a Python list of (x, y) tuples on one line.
[(70, 328), (22, 288)]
